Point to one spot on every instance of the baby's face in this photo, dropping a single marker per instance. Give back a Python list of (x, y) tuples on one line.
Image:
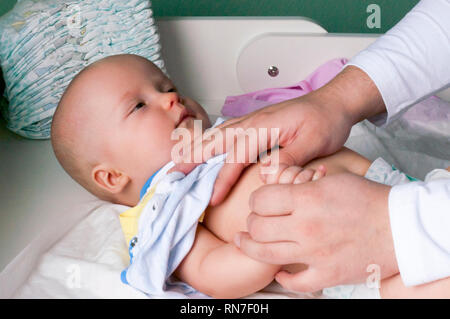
[(135, 108)]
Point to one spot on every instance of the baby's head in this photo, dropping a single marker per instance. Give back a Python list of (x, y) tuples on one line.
[(112, 128)]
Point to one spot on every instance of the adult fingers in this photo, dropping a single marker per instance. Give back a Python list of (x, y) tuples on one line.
[(241, 143), (185, 168), (277, 253), (240, 154), (308, 280), (273, 164), (227, 177), (265, 229), (274, 199)]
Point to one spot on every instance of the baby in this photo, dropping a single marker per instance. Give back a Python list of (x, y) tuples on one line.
[(112, 131)]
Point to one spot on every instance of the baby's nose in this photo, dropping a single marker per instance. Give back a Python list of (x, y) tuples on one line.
[(170, 99)]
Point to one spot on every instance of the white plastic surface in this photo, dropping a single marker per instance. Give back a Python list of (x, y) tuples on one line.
[(34, 190), (296, 55), (202, 53)]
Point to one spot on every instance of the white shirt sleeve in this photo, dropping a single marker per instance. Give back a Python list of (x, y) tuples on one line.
[(410, 61), (407, 64), (420, 222)]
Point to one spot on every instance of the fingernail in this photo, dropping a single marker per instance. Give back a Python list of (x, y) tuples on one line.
[(237, 240), (315, 176)]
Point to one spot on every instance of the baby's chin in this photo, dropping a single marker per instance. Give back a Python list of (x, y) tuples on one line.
[(194, 124), (183, 136)]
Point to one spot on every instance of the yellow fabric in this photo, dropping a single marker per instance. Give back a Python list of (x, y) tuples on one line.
[(200, 220), (129, 220)]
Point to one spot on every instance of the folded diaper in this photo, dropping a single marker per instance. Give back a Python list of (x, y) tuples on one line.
[(161, 229), (45, 43)]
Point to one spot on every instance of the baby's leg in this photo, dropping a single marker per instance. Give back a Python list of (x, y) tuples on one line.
[(393, 287)]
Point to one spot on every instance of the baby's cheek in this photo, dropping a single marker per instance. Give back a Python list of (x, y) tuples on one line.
[(199, 112)]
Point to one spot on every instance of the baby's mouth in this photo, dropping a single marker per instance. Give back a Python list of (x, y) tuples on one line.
[(185, 115)]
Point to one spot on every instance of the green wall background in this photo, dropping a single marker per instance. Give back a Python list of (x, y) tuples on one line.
[(338, 16), (341, 16), (347, 16)]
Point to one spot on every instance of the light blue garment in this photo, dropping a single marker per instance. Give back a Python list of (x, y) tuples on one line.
[(167, 228), (45, 43)]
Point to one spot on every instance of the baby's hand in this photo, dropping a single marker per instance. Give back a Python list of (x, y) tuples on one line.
[(291, 174)]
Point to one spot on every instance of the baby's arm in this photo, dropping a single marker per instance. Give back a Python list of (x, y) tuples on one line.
[(220, 270)]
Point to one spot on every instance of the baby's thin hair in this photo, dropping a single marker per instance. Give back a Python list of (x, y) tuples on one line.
[(65, 143)]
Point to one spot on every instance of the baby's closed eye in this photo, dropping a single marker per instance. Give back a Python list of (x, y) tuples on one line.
[(139, 106)]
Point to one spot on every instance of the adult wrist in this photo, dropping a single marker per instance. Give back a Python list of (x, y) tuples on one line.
[(354, 94)]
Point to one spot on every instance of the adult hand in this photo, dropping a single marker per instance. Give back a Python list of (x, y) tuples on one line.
[(311, 126), (338, 226)]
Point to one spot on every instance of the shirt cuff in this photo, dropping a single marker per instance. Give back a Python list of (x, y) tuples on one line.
[(420, 221)]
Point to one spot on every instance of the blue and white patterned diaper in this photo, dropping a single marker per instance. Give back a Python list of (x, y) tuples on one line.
[(45, 43)]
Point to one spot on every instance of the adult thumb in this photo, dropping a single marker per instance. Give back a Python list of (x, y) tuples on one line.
[(304, 281)]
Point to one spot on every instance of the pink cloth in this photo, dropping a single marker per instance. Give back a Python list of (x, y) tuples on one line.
[(239, 105)]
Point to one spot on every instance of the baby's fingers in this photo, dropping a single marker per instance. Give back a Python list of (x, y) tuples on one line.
[(309, 174), (272, 178), (321, 171), (305, 176), (289, 174)]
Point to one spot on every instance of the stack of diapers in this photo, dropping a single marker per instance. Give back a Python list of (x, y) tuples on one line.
[(45, 43)]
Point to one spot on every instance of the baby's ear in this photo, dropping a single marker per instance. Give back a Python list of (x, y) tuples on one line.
[(109, 179)]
